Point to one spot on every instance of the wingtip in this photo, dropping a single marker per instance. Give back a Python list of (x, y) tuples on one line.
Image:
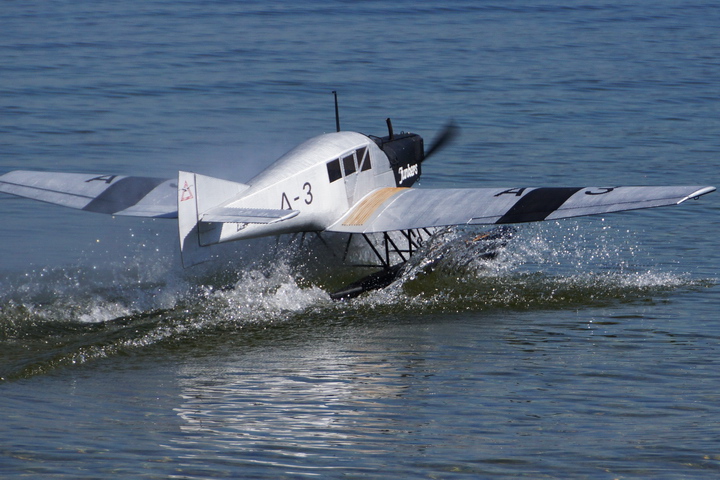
[(698, 193)]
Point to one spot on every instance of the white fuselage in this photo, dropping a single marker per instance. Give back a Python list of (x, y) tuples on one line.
[(321, 178)]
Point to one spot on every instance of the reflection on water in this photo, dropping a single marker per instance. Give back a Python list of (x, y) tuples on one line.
[(324, 399)]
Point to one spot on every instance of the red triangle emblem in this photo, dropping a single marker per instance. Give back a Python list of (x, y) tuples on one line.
[(186, 193)]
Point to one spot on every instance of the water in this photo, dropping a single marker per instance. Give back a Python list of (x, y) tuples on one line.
[(588, 349)]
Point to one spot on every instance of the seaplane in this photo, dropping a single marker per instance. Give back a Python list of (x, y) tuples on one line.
[(341, 182)]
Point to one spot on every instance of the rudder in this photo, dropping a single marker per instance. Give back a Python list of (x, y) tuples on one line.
[(198, 194), (191, 251)]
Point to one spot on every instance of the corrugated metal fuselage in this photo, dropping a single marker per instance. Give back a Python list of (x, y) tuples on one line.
[(321, 178)]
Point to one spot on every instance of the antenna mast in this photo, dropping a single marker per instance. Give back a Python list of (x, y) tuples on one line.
[(337, 113)]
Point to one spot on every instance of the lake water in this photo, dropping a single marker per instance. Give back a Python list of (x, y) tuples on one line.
[(589, 348)]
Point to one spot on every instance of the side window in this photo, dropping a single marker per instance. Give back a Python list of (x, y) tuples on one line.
[(334, 172), (349, 164), (364, 159)]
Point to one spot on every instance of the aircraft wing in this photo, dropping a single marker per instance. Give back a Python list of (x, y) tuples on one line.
[(111, 194), (388, 209)]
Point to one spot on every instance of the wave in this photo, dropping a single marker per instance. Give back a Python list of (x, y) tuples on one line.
[(67, 316)]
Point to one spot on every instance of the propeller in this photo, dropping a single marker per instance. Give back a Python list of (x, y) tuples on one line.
[(446, 135)]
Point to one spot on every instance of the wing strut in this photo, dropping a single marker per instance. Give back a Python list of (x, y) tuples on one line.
[(391, 253), (485, 246)]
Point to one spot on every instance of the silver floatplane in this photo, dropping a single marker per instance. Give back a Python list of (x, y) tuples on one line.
[(343, 182)]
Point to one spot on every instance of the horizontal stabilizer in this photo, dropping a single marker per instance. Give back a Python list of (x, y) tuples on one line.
[(247, 215)]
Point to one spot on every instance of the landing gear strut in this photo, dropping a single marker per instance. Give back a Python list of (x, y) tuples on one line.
[(392, 255), (398, 250)]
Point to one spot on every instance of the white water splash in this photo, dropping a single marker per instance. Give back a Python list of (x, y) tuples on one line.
[(260, 293), (541, 264)]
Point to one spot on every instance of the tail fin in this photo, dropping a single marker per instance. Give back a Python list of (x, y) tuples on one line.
[(198, 194)]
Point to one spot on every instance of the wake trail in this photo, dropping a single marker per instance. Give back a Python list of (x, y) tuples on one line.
[(67, 316)]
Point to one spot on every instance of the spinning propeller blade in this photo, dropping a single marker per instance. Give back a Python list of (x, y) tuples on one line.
[(448, 133)]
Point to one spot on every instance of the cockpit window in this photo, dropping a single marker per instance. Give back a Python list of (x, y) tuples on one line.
[(349, 164), (363, 159), (334, 172)]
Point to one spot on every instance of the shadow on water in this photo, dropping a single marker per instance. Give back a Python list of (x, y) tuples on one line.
[(68, 316)]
